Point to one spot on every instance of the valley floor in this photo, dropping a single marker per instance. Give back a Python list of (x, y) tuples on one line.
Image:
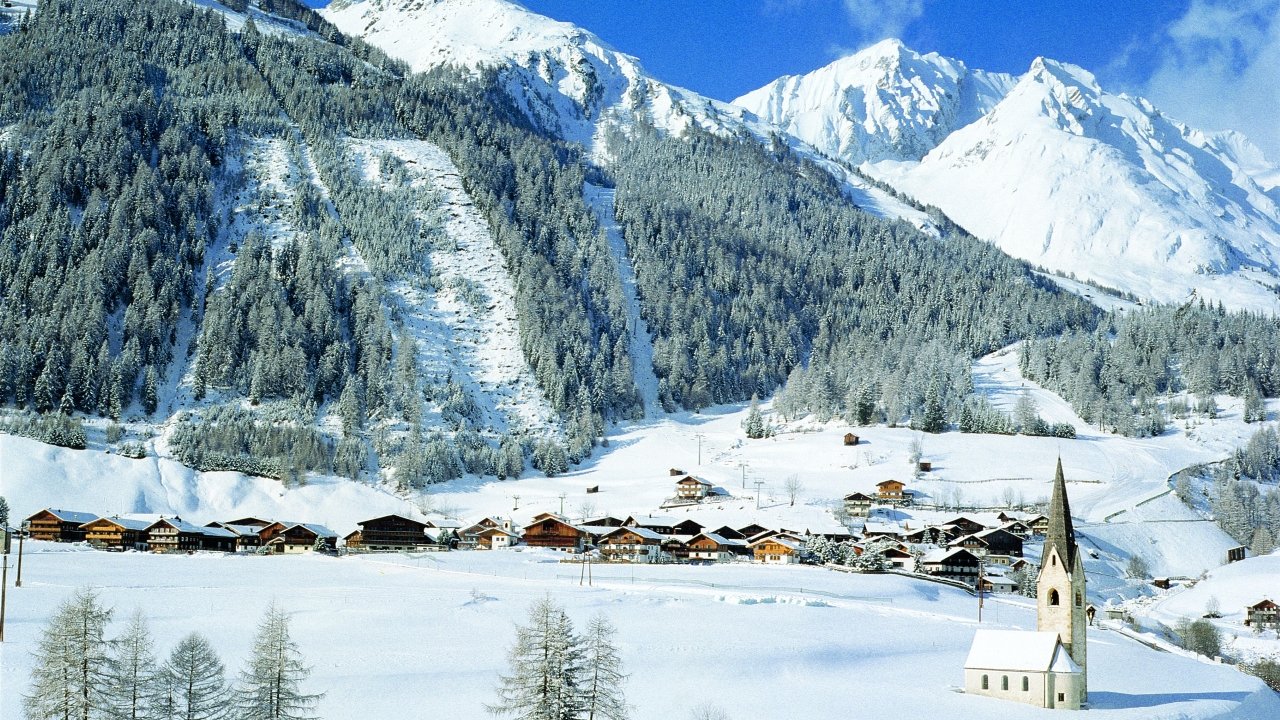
[(429, 633)]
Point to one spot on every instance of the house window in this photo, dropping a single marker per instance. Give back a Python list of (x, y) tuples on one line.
[(1078, 599), (1062, 697), (1004, 682), (1026, 683), (1053, 597), (985, 683)]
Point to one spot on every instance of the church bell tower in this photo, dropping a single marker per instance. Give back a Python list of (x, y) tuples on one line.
[(1060, 596)]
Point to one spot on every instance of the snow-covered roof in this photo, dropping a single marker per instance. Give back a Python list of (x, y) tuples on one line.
[(1018, 651), (74, 516), (219, 532), (642, 532), (783, 541), (940, 555), (717, 539), (241, 529)]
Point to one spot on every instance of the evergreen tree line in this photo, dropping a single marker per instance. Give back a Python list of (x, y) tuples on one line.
[(1248, 513), (1115, 374), (555, 673), (231, 438), (51, 428), (754, 269), (82, 673)]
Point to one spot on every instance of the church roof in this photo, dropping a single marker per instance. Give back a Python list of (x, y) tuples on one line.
[(1061, 534), (1018, 651)]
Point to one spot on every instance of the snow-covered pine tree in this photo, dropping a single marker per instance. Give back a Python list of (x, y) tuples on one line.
[(602, 697), (69, 680), (196, 684), (271, 683), (545, 673), (754, 424), (136, 689)]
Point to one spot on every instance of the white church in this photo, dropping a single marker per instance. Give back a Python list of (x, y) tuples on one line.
[(1045, 668)]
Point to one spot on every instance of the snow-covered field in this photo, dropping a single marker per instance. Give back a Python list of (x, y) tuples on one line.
[(430, 632)]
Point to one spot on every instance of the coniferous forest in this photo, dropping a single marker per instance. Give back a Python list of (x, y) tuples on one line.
[(756, 274)]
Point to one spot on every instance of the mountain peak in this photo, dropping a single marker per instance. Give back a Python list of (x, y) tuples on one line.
[(1044, 69)]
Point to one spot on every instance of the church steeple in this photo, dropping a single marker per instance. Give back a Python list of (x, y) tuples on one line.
[(1061, 534)]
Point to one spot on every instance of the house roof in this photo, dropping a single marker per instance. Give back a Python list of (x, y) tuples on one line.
[(315, 528), (74, 516), (717, 539), (941, 555), (1019, 651), (219, 532), (882, 483), (859, 496), (362, 523), (126, 523), (785, 542), (1263, 605), (642, 532), (691, 479), (178, 524)]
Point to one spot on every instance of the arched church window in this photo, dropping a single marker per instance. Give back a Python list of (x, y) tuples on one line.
[(1026, 683), (1053, 597)]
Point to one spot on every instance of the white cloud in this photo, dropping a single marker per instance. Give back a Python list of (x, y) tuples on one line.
[(880, 19), (1218, 68)]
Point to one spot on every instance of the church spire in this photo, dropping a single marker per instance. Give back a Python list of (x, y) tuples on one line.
[(1061, 534)]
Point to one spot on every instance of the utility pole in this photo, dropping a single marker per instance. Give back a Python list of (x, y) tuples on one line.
[(699, 436), (744, 474), (758, 483), (980, 569), (562, 496), (516, 498), (4, 591), (22, 533)]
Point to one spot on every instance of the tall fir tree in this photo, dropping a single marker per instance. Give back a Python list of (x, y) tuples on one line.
[(69, 680), (271, 683), (545, 669), (196, 685), (602, 696), (136, 689)]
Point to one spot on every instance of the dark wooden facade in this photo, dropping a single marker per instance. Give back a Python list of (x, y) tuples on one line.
[(1263, 615), (552, 532), (116, 534), (850, 439), (392, 533), (56, 525)]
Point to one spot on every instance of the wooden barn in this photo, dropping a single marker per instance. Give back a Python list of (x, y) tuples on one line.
[(55, 525), (850, 439)]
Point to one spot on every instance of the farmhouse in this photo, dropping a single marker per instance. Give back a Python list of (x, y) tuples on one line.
[(956, 564), (690, 488), (169, 535), (1263, 615), (56, 525), (892, 491), (710, 547), (494, 538), (777, 550), (246, 535), (394, 533), (631, 544), (664, 525), (858, 504), (552, 531), (116, 533), (296, 537), (217, 538)]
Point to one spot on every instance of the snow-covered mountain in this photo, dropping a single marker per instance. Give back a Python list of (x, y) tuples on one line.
[(569, 82), (1052, 168)]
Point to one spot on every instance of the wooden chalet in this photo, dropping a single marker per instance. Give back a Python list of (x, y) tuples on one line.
[(1001, 542), (249, 521), (777, 550), (858, 504), (353, 540), (1264, 614), (873, 529), (495, 538), (927, 535), (1235, 554), (1039, 524), (691, 488), (1017, 527), (552, 531), (748, 531), (900, 558), (173, 535), (995, 583), (392, 533), (664, 525), (850, 439), (964, 525), (247, 536), (631, 544), (710, 547), (893, 492), (294, 537), (606, 520), (56, 525), (954, 564), (116, 533), (218, 539)]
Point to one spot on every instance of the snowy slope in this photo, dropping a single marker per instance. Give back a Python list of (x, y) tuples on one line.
[(386, 633), (1051, 168), (568, 81), (887, 102)]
